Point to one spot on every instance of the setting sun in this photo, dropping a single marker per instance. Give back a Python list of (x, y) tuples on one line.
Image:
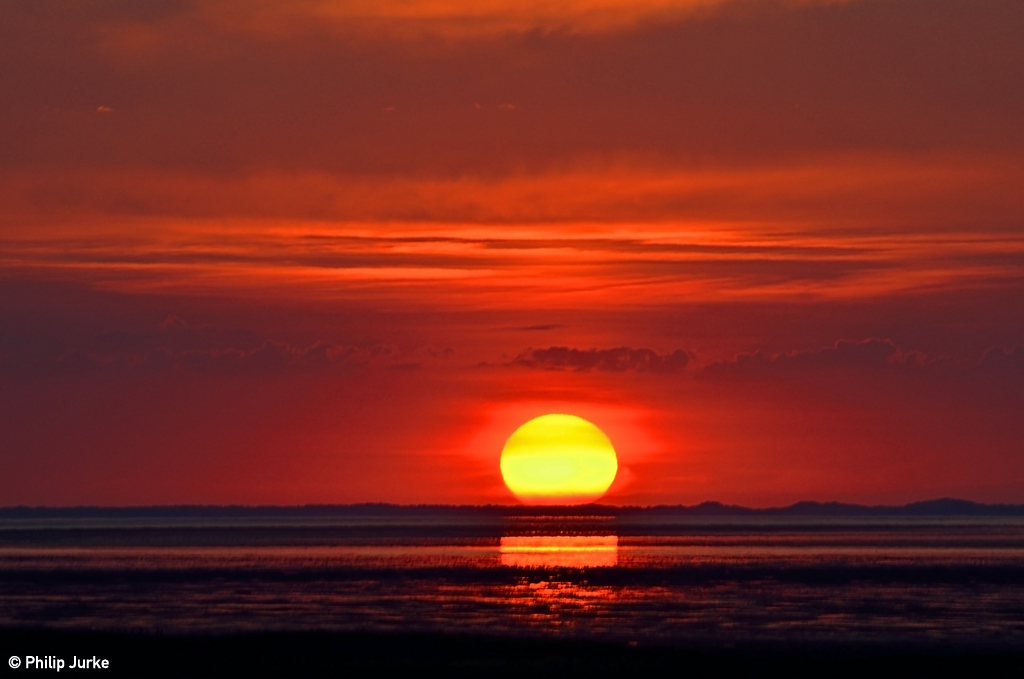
[(560, 459)]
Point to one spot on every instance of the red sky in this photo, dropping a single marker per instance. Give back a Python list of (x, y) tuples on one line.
[(323, 251)]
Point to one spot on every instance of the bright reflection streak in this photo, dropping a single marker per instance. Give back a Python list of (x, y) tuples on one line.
[(560, 551)]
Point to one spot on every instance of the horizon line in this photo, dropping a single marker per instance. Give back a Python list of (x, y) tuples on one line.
[(933, 503)]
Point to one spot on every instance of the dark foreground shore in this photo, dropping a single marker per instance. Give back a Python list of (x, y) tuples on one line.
[(315, 654)]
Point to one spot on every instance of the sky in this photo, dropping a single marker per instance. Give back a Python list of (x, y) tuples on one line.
[(318, 251)]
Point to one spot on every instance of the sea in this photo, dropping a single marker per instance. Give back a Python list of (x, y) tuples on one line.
[(595, 574)]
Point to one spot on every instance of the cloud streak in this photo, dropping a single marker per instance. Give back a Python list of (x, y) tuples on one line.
[(845, 355), (585, 265), (179, 347), (619, 359)]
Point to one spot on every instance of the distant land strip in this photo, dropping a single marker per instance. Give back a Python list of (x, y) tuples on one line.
[(938, 507)]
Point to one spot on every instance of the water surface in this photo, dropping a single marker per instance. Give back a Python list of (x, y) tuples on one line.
[(663, 580)]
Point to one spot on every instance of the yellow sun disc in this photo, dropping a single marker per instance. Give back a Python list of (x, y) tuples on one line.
[(558, 459)]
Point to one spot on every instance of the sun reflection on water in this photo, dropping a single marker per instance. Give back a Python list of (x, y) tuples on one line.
[(560, 551)]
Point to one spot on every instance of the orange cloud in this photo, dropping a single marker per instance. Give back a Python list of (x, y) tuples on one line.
[(466, 18), (607, 236), (853, 191)]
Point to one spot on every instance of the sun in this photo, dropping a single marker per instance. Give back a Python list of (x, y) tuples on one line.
[(558, 459)]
